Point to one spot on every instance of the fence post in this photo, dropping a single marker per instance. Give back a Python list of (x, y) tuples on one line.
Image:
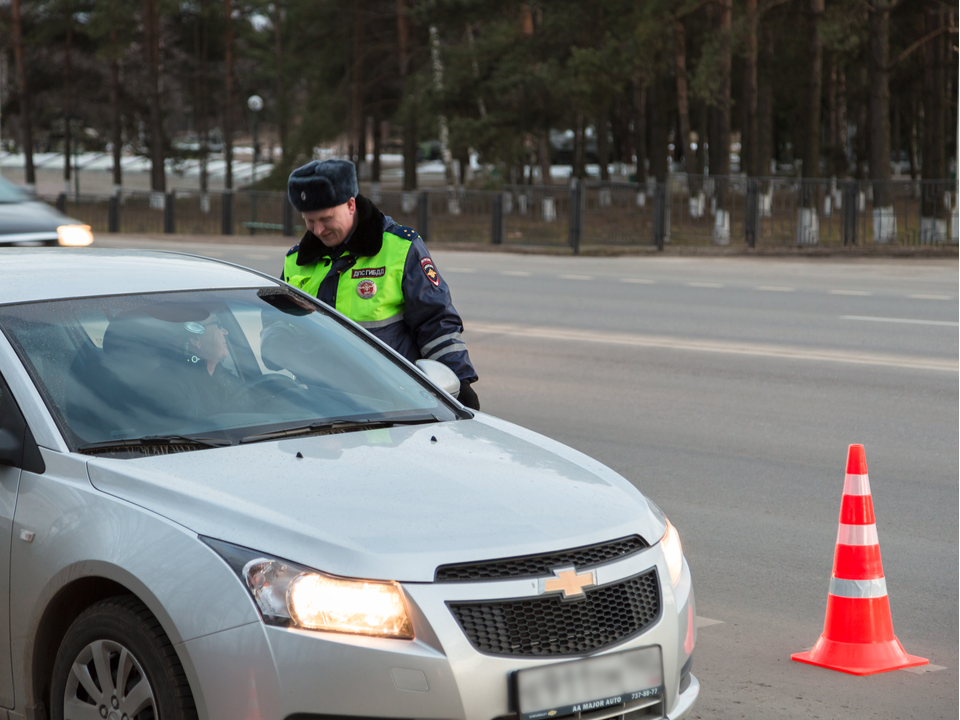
[(851, 210), (751, 221), (659, 215), (169, 214), (423, 215), (226, 206), (496, 220), (113, 214), (576, 214), (62, 202), (287, 216)]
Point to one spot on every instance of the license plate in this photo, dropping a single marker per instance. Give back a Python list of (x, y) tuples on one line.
[(553, 691)]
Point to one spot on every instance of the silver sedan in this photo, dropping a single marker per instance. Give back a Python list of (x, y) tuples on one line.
[(221, 499)]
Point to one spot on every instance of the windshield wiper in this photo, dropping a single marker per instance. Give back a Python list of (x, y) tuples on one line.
[(148, 440), (333, 426)]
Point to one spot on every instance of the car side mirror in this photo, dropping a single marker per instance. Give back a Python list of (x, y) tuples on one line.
[(440, 374)]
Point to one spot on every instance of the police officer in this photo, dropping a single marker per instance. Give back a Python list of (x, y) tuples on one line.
[(373, 270)]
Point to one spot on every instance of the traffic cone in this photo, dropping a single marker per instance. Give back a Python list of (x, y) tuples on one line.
[(858, 630)]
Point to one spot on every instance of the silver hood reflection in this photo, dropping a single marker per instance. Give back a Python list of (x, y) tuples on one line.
[(393, 503)]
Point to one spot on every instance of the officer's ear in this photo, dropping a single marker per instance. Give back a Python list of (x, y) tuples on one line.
[(352, 205)]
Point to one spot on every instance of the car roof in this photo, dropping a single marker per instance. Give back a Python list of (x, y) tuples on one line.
[(35, 274)]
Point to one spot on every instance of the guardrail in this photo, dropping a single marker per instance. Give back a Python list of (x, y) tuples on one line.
[(687, 210)]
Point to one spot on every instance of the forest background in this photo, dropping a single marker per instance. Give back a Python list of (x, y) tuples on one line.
[(814, 88)]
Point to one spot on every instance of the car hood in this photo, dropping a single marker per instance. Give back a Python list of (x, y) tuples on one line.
[(392, 503), (29, 217)]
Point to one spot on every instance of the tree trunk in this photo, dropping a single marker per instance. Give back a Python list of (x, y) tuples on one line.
[(880, 103), (765, 103), (543, 155), (658, 131), (683, 102), (640, 126), (377, 141), (200, 91), (281, 90), (151, 23), (68, 102), (116, 128), (26, 123), (358, 129), (410, 121), (933, 165), (750, 142), (702, 134), (451, 177), (814, 88), (228, 93), (723, 107), (603, 144)]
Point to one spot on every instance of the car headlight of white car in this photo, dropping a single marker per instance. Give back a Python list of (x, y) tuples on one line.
[(669, 544), (291, 595)]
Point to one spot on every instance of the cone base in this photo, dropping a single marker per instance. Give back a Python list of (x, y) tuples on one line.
[(859, 658)]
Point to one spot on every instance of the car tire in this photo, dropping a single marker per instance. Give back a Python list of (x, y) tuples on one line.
[(119, 638)]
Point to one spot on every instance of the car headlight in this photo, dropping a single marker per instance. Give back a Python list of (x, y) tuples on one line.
[(74, 235), (669, 544), (291, 595), (672, 552)]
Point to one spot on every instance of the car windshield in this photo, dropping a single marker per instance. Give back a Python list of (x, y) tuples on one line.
[(209, 368), (10, 193)]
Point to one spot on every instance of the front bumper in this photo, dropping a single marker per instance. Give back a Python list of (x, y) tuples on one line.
[(277, 673)]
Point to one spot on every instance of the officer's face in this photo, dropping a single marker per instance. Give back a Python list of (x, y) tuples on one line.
[(332, 225)]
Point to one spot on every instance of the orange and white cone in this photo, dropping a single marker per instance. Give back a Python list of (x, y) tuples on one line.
[(858, 630)]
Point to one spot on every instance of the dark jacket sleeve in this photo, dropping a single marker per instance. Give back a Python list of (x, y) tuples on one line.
[(430, 315)]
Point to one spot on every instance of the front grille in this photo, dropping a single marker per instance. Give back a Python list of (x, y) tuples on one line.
[(549, 626), (536, 565)]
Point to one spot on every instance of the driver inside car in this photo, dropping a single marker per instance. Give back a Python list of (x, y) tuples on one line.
[(205, 349)]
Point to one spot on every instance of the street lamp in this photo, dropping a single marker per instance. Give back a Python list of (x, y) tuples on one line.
[(255, 103)]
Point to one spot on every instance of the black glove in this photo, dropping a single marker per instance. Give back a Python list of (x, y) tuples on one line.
[(468, 396)]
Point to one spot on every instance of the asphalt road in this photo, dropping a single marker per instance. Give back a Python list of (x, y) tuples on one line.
[(728, 390)]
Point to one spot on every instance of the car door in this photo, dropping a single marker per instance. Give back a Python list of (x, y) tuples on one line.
[(12, 431)]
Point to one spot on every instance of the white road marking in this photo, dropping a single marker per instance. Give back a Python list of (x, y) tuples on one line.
[(458, 270), (516, 273), (702, 622), (718, 346), (929, 297), (921, 669), (638, 281), (576, 277), (774, 288), (704, 284), (850, 292), (868, 318), (258, 256)]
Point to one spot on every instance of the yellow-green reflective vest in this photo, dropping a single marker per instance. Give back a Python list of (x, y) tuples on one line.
[(370, 292)]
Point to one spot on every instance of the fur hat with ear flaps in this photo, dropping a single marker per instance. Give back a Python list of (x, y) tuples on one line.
[(322, 184)]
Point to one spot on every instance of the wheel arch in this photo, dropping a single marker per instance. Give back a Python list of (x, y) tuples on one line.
[(96, 582)]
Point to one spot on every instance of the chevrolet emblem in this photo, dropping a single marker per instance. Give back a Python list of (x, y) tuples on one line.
[(568, 581)]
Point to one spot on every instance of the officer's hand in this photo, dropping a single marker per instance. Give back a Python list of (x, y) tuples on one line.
[(468, 396)]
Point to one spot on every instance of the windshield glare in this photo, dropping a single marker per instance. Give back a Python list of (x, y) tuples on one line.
[(225, 364)]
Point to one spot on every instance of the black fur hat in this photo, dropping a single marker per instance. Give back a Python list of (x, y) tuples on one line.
[(322, 184)]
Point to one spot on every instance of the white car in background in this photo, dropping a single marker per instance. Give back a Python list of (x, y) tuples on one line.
[(304, 526)]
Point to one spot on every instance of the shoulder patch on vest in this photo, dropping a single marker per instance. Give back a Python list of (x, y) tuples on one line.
[(295, 248), (402, 231)]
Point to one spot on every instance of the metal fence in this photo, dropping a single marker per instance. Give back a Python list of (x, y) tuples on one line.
[(687, 210)]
